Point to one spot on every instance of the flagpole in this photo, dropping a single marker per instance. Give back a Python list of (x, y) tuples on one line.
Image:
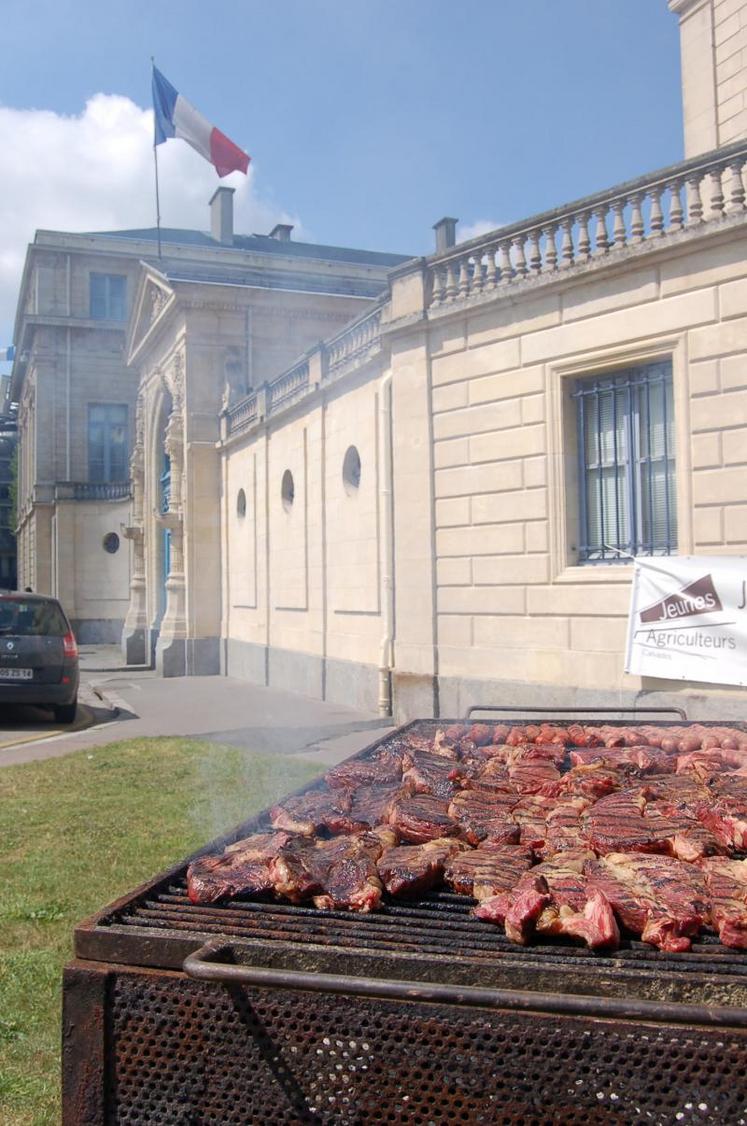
[(155, 162)]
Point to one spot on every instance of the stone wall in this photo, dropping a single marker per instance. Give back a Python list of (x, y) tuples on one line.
[(302, 577)]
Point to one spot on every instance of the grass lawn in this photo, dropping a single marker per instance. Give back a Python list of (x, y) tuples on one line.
[(75, 833)]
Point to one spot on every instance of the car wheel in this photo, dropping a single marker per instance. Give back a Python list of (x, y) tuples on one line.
[(65, 713)]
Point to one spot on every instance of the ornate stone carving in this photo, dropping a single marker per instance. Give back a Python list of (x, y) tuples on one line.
[(158, 298)]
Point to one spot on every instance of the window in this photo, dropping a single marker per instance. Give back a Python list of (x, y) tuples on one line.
[(108, 297), (626, 449), (351, 470), (107, 443), (287, 490)]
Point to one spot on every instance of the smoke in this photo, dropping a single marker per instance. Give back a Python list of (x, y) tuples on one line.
[(94, 172)]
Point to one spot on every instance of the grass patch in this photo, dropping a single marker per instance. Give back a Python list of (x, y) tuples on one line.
[(75, 833)]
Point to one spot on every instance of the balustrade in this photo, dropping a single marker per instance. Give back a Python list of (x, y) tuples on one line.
[(354, 340), (287, 386), (241, 417), (700, 191), (101, 490)]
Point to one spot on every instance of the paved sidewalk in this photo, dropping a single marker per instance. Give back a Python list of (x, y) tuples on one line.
[(135, 703)]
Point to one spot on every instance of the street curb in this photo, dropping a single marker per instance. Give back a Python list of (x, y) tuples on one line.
[(112, 701), (83, 720)]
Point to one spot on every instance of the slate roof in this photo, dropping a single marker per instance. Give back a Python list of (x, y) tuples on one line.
[(260, 244), (222, 273)]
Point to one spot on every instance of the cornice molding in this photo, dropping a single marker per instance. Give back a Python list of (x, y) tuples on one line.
[(684, 8)]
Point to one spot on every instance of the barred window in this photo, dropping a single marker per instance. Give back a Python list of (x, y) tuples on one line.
[(627, 499), (108, 297), (108, 448)]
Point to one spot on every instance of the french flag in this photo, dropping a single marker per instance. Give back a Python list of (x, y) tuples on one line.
[(176, 117)]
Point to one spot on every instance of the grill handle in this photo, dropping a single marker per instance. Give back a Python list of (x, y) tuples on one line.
[(206, 964), (679, 712)]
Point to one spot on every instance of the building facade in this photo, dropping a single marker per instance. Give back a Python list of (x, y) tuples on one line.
[(77, 396), (524, 413), (438, 505)]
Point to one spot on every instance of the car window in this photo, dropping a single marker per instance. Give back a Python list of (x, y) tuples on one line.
[(31, 619)]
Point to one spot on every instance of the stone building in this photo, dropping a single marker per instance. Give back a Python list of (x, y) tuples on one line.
[(8, 482), (77, 396), (445, 512), (437, 504)]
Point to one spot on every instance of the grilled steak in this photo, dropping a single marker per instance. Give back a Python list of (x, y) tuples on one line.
[(563, 825), (616, 824), (487, 871), (243, 869), (411, 869), (371, 805), (532, 772), (635, 760), (685, 836), (422, 818), (554, 899), (427, 773), (309, 813), (725, 817), (593, 780), (726, 883), (661, 899), (348, 875), (484, 815), (530, 814), (385, 767)]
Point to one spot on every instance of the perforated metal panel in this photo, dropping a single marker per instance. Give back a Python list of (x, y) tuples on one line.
[(183, 1052)]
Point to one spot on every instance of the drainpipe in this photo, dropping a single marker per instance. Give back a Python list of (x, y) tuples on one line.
[(386, 654)]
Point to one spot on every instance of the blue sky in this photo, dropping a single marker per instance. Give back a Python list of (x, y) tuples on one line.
[(367, 120)]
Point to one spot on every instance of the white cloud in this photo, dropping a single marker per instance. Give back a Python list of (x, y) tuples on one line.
[(466, 231), (94, 172)]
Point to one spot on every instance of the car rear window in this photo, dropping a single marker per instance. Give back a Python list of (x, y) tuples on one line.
[(25, 618)]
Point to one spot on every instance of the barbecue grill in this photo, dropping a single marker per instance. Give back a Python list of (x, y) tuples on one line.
[(260, 1012)]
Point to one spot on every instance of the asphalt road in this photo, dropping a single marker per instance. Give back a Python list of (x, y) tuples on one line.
[(125, 703)]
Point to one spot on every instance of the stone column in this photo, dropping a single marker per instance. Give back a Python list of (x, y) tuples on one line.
[(171, 646), (135, 630)]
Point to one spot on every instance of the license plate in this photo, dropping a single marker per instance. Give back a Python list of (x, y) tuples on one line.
[(16, 674)]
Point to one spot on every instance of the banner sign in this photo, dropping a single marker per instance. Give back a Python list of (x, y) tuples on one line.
[(688, 619)]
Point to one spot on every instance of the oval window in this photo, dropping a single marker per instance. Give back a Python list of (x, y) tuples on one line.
[(351, 470), (241, 504), (111, 543), (287, 490)]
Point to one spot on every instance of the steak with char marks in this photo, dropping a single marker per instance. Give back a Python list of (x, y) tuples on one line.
[(554, 899), (242, 869), (486, 871), (726, 883), (661, 899), (422, 818), (308, 813), (339, 873), (483, 815), (412, 869), (371, 805), (427, 773), (385, 767)]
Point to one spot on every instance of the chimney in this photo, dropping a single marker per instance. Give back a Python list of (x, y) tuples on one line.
[(221, 215), (445, 234), (281, 232)]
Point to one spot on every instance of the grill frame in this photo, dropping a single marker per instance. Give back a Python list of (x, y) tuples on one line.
[(631, 991)]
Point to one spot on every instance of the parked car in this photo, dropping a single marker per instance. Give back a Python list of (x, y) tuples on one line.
[(38, 655)]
